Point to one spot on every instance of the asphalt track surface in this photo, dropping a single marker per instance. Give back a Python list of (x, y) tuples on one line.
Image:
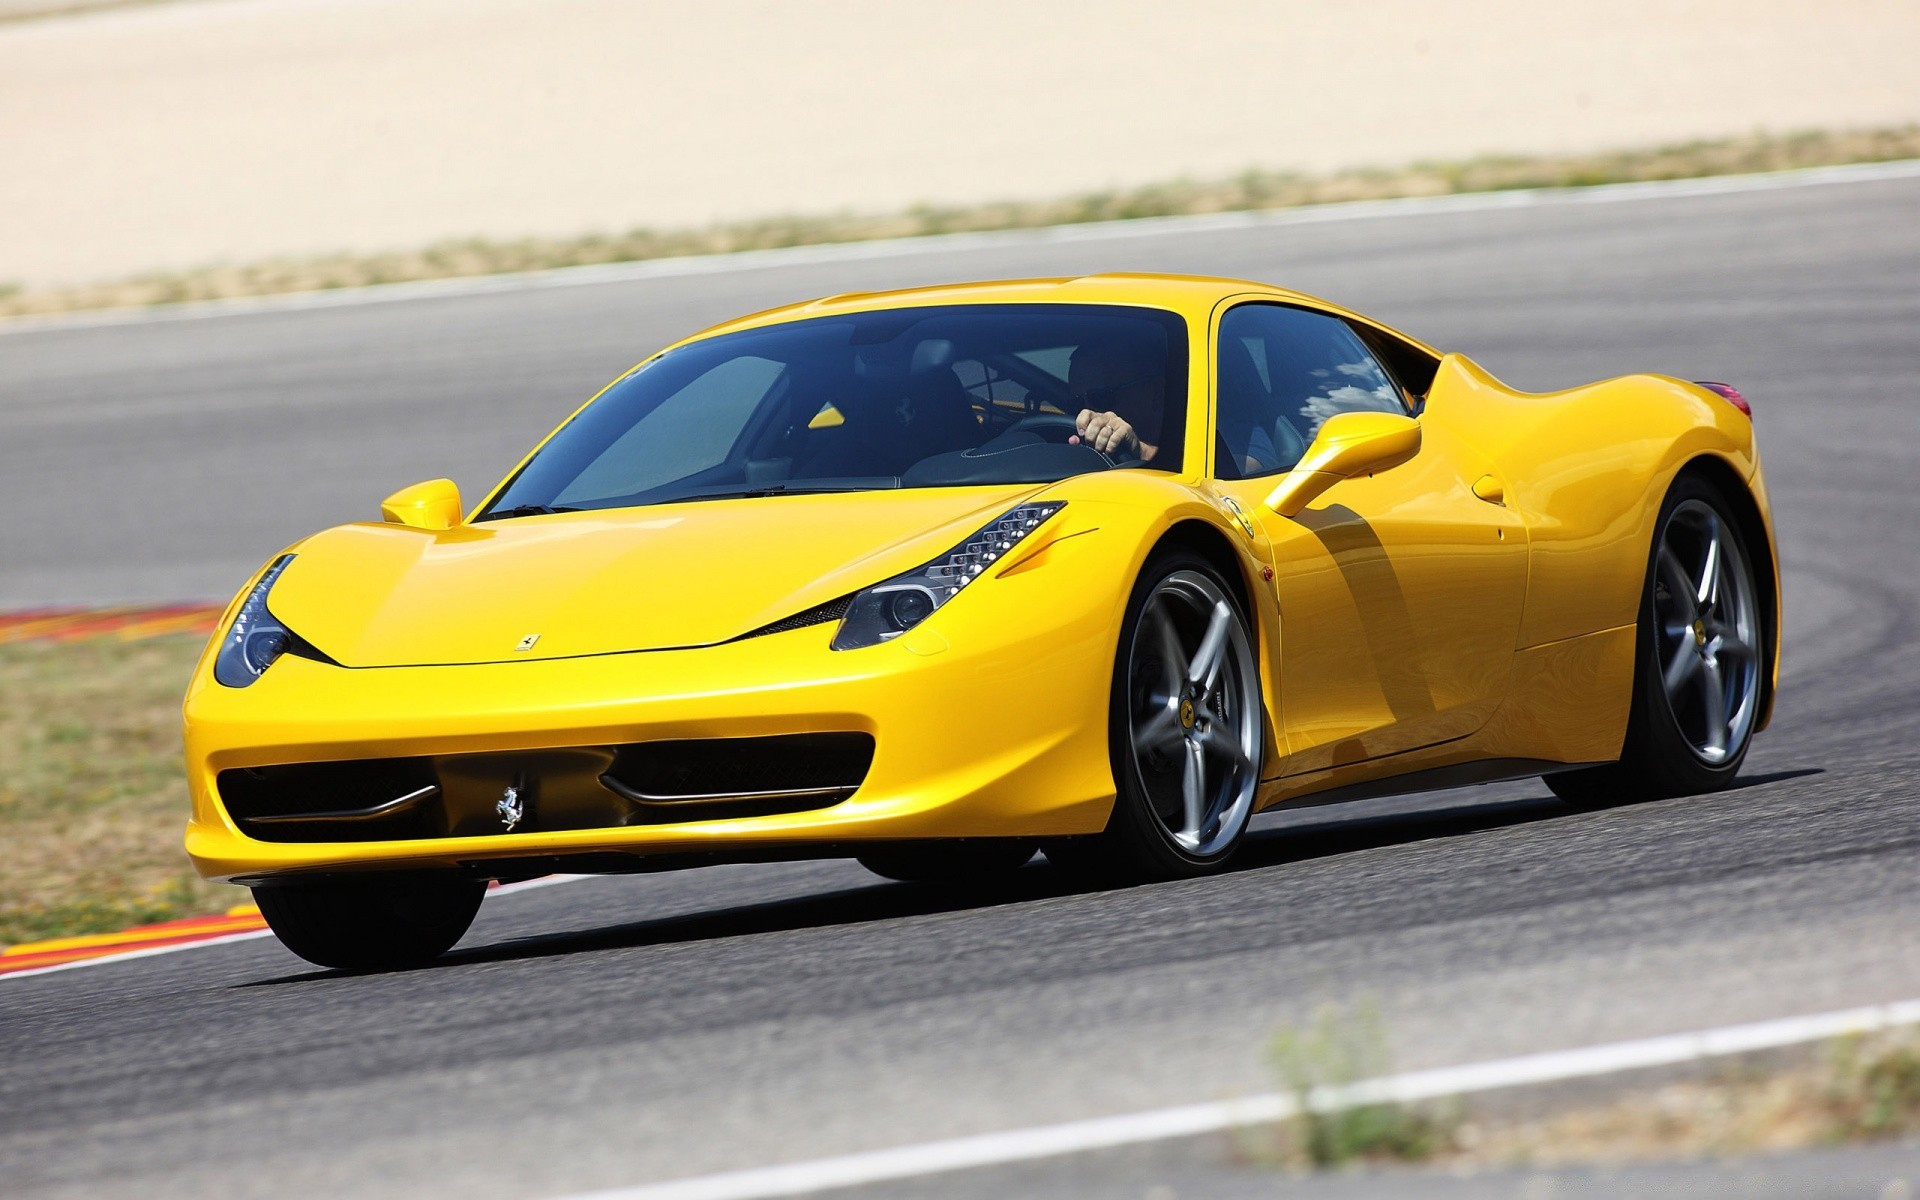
[(618, 1031)]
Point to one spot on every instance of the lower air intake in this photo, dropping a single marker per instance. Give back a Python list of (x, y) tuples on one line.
[(789, 773), (544, 791)]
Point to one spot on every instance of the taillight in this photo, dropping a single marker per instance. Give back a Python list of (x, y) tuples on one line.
[(1729, 393)]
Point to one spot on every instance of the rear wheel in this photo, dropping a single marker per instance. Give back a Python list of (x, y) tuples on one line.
[(957, 862), (373, 922), (1701, 653), (1186, 731)]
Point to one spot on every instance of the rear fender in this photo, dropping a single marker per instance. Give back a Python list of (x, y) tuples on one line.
[(1587, 469)]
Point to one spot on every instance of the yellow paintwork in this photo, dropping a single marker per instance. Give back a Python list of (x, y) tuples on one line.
[(1476, 601), (605, 581), (434, 504), (1349, 444)]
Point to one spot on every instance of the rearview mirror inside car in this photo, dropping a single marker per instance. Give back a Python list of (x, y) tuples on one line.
[(1348, 444), (434, 504)]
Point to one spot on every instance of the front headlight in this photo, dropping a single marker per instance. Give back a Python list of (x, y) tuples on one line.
[(256, 638), (887, 610)]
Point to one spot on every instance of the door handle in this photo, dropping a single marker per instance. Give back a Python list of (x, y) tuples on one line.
[(1490, 489)]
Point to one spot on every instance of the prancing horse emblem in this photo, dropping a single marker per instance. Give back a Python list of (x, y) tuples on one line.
[(526, 643), (510, 808)]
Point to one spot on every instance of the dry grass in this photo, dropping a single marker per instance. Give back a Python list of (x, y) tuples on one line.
[(1849, 1091), (1338, 1049), (93, 800), (1253, 190), (1855, 1090)]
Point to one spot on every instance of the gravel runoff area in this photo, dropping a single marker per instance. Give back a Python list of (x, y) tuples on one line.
[(171, 136)]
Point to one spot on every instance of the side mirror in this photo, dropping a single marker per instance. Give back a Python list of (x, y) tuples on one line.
[(1349, 444), (434, 504)]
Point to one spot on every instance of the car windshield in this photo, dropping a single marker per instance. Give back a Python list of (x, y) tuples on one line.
[(920, 397)]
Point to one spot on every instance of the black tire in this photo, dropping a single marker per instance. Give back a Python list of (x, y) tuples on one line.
[(951, 862), (1137, 846), (1658, 760), (372, 923)]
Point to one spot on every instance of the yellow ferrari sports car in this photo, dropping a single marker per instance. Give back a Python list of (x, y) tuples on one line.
[(940, 579)]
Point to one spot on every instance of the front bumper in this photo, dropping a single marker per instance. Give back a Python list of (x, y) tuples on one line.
[(990, 721)]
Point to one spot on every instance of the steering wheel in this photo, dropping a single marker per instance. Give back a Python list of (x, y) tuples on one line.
[(1055, 428), (1051, 427)]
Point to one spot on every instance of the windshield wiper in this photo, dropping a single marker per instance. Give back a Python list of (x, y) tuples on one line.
[(528, 510), (876, 483)]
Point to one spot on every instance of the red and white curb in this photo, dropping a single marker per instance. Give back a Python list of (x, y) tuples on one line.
[(37, 958), (125, 624), (239, 924)]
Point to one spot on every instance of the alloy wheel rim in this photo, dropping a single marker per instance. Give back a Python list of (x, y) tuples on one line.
[(1194, 714), (1706, 632)]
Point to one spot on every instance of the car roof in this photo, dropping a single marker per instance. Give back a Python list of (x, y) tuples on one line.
[(1194, 295)]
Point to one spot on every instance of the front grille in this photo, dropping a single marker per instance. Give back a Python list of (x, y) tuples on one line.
[(588, 787)]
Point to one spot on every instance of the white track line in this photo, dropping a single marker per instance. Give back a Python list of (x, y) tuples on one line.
[(1046, 1141), (530, 885), (245, 936), (796, 256)]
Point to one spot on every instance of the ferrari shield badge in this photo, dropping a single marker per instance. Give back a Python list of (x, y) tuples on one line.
[(526, 643)]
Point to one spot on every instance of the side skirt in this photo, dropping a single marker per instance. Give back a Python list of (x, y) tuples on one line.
[(1432, 779)]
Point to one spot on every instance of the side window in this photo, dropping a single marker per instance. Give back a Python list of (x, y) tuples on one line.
[(1281, 373)]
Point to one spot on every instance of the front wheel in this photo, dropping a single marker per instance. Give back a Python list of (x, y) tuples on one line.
[(1702, 650), (373, 922), (1186, 733)]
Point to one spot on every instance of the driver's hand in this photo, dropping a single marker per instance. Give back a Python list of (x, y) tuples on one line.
[(1106, 433)]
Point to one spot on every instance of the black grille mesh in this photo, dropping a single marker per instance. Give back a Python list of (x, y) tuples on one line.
[(733, 766), (819, 614), (250, 792)]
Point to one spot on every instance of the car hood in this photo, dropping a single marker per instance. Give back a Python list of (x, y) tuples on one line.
[(600, 582)]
